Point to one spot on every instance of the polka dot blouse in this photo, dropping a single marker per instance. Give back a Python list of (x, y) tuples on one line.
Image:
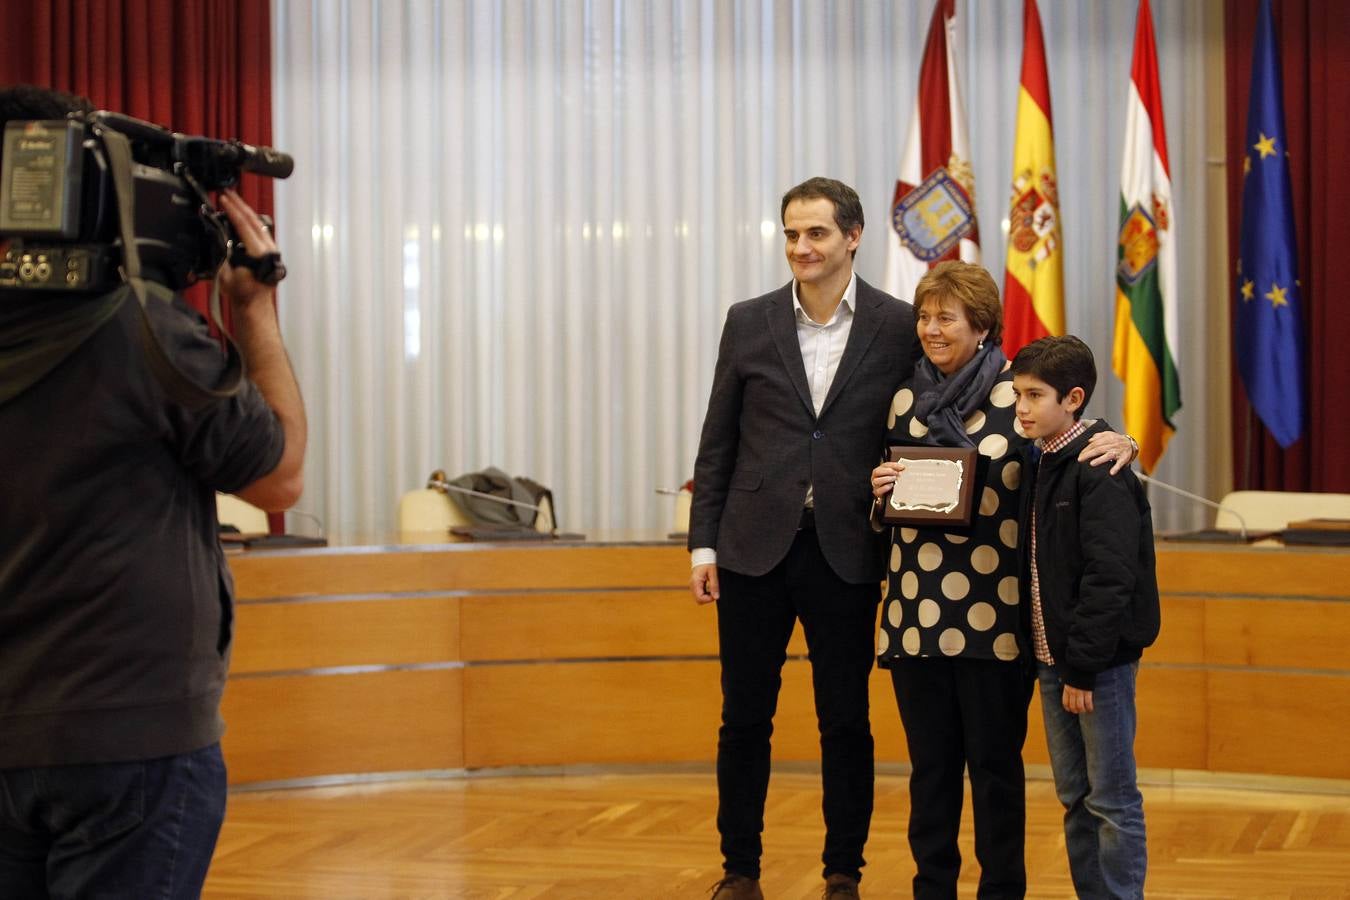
[(953, 591)]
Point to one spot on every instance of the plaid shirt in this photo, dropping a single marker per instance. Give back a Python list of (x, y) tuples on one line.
[(1039, 644)]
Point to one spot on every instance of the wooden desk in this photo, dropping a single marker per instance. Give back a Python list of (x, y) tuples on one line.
[(464, 656)]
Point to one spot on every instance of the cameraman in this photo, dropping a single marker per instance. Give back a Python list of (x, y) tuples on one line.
[(115, 601)]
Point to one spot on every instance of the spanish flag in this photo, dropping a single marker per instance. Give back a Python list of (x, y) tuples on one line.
[(1144, 356), (1033, 287)]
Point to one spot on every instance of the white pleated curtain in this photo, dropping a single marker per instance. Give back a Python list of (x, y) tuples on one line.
[(515, 227)]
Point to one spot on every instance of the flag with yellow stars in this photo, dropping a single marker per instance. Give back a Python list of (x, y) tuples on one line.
[(1268, 327), (1144, 354)]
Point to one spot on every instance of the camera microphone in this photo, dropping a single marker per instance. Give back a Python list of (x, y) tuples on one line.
[(216, 164), (262, 160), (210, 159)]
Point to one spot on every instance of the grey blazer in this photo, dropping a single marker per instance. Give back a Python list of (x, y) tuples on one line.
[(763, 444)]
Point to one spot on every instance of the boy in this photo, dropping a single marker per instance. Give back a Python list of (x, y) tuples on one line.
[(1088, 567)]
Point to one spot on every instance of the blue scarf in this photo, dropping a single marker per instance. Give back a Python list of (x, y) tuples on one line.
[(944, 402)]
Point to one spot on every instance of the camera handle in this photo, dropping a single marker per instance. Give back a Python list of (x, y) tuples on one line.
[(177, 385)]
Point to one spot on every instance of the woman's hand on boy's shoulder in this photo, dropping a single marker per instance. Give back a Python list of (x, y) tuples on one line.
[(1109, 447)]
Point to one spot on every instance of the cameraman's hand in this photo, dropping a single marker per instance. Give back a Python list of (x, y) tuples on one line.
[(236, 282)]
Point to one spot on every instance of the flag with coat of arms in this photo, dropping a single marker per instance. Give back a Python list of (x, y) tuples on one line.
[(1144, 355), (933, 212), (1033, 285)]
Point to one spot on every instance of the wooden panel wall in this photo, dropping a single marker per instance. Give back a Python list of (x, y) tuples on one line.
[(464, 656), (301, 726)]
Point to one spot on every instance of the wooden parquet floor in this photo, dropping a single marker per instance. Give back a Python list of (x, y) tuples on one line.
[(651, 836)]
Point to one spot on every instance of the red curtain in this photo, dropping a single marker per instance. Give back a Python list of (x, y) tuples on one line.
[(194, 66), (1314, 42)]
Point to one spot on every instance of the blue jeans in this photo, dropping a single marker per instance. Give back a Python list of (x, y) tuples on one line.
[(1092, 756), (143, 829)]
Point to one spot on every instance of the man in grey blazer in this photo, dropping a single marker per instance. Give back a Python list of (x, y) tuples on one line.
[(779, 526)]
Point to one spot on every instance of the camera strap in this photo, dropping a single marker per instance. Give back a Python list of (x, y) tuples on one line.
[(178, 386)]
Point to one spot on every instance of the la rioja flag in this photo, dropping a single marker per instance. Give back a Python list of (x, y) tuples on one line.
[(1144, 356)]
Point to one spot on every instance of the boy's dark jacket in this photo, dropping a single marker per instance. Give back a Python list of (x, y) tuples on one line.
[(1094, 546)]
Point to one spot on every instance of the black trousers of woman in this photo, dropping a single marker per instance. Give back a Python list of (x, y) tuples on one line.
[(964, 714)]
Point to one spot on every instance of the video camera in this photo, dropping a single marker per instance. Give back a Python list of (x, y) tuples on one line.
[(59, 204)]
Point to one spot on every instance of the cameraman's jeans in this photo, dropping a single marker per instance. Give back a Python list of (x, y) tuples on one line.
[(139, 830), (1092, 756)]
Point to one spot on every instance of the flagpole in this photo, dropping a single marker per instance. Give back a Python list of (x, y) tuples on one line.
[(1247, 456)]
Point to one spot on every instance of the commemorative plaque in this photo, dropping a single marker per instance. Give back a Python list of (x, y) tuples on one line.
[(937, 486)]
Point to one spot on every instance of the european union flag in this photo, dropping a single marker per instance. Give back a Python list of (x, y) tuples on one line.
[(1268, 325)]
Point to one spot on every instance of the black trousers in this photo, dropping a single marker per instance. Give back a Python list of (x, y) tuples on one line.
[(965, 714), (755, 616)]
